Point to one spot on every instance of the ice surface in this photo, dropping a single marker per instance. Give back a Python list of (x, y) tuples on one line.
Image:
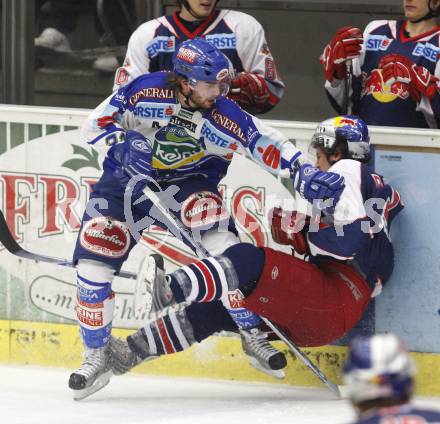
[(35, 395)]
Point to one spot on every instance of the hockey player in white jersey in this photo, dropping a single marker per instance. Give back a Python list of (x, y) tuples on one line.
[(257, 86), (176, 132)]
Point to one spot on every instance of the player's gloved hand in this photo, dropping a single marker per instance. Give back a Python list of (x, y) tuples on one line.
[(420, 82), (345, 45), (313, 184), (250, 91), (133, 158), (288, 227)]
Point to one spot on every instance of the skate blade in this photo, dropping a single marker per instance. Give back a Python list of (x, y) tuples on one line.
[(279, 374), (99, 383)]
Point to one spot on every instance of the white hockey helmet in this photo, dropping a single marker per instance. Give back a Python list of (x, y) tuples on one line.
[(378, 367), (345, 134)]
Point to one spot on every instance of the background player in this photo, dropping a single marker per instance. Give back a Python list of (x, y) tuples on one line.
[(379, 374), (257, 86), (316, 301), (395, 68), (194, 131)]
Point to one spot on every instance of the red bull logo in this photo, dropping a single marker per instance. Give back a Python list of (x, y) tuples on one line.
[(341, 121), (375, 86)]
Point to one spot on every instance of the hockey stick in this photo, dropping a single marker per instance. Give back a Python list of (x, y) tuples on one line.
[(346, 107), (203, 253), (13, 247)]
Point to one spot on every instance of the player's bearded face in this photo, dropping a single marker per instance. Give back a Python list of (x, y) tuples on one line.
[(204, 93)]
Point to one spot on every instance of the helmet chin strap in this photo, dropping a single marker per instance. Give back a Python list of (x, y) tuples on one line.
[(191, 11), (431, 14)]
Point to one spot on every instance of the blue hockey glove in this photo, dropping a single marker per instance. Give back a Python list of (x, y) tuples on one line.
[(313, 184), (134, 157)]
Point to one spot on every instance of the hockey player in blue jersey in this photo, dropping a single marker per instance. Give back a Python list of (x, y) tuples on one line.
[(256, 87), (379, 374), (176, 132), (316, 300), (394, 65)]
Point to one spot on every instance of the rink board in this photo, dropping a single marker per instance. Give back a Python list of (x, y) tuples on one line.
[(219, 357), (46, 173)]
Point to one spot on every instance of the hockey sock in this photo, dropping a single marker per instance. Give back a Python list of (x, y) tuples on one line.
[(168, 334), (217, 278), (211, 278), (204, 281), (95, 303)]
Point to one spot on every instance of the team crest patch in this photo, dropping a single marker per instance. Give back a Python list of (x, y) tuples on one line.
[(121, 76), (235, 300), (186, 55), (222, 74), (174, 147), (203, 208), (270, 71), (106, 237)]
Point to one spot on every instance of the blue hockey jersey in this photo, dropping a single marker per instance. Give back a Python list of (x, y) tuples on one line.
[(401, 414), (359, 229), (378, 103), (186, 142)]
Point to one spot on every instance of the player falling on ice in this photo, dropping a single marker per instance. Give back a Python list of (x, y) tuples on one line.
[(179, 131), (349, 257)]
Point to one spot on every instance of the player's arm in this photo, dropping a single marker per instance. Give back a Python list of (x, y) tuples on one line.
[(309, 236), (106, 126), (275, 153), (435, 101), (347, 46), (137, 58), (259, 88)]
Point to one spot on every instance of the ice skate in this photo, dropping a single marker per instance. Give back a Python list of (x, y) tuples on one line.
[(122, 358), (261, 354), (93, 374), (152, 294)]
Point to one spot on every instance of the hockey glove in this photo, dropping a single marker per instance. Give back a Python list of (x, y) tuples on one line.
[(317, 186), (133, 158), (420, 82), (250, 91), (289, 227), (345, 45)]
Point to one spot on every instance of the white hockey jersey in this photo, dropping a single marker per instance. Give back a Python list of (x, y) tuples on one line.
[(238, 35)]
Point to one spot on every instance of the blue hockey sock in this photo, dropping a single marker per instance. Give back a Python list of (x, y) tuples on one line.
[(94, 311)]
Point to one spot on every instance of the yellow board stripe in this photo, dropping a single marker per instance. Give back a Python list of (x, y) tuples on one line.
[(50, 344)]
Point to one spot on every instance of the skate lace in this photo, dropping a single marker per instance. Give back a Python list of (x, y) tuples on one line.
[(94, 361), (257, 345)]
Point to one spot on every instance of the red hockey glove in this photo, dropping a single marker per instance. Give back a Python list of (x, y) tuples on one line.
[(345, 45), (287, 227), (398, 68), (250, 90)]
